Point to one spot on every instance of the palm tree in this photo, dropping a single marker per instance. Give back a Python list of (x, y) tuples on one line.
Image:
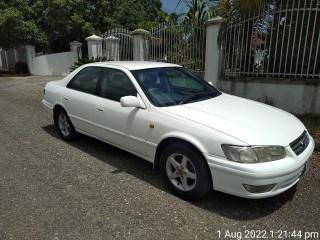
[(199, 11)]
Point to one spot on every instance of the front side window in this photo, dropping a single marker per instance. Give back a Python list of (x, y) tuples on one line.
[(115, 84), (170, 86), (85, 80)]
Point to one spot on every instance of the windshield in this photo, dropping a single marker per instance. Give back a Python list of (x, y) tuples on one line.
[(170, 86)]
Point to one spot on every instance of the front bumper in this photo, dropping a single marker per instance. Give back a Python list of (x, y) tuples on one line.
[(229, 177)]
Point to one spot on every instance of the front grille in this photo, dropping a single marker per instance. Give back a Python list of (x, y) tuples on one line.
[(300, 144)]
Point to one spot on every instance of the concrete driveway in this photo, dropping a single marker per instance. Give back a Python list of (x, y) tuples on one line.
[(50, 189)]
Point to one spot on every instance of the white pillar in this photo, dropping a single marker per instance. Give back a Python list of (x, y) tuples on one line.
[(214, 53), (94, 46), (112, 45), (76, 47), (31, 53), (140, 45)]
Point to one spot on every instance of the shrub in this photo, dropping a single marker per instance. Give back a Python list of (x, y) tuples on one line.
[(83, 61), (21, 67)]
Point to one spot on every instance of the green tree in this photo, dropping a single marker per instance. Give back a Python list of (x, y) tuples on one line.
[(128, 13), (62, 22), (236, 8), (51, 24), (16, 26), (199, 11)]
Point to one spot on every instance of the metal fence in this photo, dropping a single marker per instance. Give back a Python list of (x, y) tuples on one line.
[(125, 45), (282, 40), (179, 42), (9, 58)]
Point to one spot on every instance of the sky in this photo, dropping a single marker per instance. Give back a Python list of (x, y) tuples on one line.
[(169, 5)]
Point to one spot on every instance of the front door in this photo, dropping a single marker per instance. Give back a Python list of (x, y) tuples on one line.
[(121, 126)]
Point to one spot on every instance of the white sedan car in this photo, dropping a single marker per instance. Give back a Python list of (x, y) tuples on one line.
[(196, 136)]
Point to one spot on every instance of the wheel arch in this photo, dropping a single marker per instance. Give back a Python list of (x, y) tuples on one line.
[(169, 140), (158, 165), (55, 110)]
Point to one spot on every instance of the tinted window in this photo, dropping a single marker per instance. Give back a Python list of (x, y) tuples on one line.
[(169, 86), (86, 80), (116, 84), (179, 79)]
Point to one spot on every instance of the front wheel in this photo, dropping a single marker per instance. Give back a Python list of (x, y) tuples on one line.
[(185, 171), (66, 129)]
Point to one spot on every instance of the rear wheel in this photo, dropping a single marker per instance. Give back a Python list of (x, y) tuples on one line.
[(185, 171), (66, 129)]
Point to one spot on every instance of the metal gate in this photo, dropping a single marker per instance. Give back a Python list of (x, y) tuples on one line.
[(125, 45), (181, 42), (282, 40)]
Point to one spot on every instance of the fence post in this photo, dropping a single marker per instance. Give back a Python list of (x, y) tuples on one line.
[(214, 53), (112, 45), (140, 45), (94, 46), (3, 59), (31, 53), (1, 54), (76, 47)]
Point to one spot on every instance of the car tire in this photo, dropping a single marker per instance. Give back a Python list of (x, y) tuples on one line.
[(66, 129), (185, 171)]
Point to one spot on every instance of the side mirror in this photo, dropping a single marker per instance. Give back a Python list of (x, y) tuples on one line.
[(130, 101)]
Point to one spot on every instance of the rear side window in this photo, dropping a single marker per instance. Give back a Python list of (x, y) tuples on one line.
[(86, 80)]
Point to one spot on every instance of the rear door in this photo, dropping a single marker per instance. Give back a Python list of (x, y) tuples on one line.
[(79, 98)]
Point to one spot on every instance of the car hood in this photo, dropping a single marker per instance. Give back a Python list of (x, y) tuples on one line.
[(249, 121)]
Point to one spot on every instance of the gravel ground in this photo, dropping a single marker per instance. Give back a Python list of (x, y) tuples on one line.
[(50, 189)]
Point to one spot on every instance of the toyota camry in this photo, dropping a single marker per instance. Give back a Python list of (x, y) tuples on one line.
[(199, 138)]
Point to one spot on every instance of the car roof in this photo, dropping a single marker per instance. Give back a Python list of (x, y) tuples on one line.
[(135, 65)]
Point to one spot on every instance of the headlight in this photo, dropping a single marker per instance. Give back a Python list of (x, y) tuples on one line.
[(268, 154), (253, 154)]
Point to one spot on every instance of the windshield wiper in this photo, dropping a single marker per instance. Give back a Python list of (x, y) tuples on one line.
[(198, 96)]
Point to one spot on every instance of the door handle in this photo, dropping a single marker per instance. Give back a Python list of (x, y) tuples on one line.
[(65, 98), (99, 109)]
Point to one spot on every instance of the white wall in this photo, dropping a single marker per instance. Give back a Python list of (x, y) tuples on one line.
[(54, 64), (296, 96)]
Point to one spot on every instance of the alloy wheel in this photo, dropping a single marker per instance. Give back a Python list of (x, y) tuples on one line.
[(181, 172)]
